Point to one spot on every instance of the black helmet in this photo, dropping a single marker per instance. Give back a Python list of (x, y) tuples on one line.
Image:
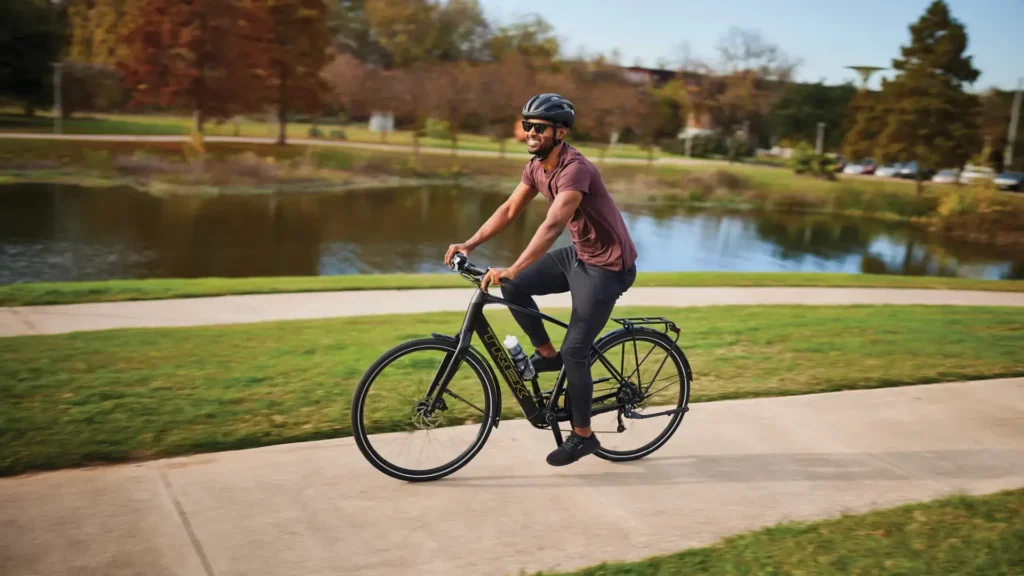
[(550, 107)]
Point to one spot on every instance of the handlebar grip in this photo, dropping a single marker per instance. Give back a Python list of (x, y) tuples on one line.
[(460, 263)]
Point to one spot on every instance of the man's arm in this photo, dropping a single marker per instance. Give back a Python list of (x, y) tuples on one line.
[(558, 217), (508, 211)]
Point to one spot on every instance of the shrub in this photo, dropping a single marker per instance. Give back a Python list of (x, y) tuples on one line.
[(439, 129), (805, 161)]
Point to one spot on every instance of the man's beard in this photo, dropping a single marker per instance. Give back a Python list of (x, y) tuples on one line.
[(543, 151)]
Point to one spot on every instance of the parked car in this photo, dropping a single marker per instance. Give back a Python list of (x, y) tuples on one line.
[(947, 176), (1010, 181), (975, 173), (889, 170), (865, 166), (912, 171)]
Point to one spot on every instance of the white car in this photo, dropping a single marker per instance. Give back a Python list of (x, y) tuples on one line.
[(889, 170), (975, 173), (853, 169), (948, 176)]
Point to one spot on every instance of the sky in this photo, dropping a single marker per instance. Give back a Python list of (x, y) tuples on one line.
[(826, 35)]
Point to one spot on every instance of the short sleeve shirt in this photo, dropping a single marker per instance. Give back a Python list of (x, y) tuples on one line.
[(597, 229)]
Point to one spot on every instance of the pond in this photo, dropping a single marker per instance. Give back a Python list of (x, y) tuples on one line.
[(57, 233)]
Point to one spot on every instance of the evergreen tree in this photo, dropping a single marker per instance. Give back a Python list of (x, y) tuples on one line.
[(928, 117)]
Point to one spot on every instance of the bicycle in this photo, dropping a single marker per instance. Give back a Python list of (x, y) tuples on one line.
[(450, 407)]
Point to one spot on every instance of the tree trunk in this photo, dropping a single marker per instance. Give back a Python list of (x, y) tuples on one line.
[(455, 141), (282, 107), (918, 188), (197, 120), (29, 109), (501, 145)]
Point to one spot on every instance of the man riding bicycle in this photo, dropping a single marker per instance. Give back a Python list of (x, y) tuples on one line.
[(597, 268)]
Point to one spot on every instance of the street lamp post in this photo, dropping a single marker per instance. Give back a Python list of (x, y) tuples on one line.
[(819, 146), (57, 111), (1011, 136)]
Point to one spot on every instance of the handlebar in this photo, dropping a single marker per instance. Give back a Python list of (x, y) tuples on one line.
[(461, 264)]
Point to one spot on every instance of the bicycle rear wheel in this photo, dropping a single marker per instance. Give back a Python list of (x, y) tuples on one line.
[(396, 432), (656, 380)]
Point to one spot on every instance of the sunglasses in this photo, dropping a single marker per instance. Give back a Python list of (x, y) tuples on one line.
[(540, 126)]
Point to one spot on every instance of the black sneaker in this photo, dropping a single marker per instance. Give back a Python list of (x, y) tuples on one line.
[(574, 448), (544, 364)]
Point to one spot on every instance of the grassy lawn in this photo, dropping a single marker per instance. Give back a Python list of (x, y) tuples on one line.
[(142, 124), (117, 395), (957, 535), (39, 293)]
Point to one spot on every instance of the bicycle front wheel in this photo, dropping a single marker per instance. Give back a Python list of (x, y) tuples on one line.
[(397, 432)]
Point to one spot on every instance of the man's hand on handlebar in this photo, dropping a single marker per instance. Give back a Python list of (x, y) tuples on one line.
[(454, 249), (496, 275)]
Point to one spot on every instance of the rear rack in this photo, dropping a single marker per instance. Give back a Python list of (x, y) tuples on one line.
[(667, 325)]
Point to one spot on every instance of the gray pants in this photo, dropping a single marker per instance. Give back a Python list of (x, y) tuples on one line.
[(594, 292)]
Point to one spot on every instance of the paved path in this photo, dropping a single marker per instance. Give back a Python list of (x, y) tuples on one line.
[(319, 508), (27, 320)]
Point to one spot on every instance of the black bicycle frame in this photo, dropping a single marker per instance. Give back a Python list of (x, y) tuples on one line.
[(475, 321)]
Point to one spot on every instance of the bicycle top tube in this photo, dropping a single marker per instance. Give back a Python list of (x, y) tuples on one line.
[(475, 274)]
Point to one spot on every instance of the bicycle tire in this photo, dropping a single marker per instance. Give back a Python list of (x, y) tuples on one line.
[(683, 368), (474, 360)]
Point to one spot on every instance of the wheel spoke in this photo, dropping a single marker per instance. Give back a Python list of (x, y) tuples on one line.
[(464, 401)]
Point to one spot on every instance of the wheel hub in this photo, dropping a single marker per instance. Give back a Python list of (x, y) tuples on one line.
[(629, 394), (425, 419)]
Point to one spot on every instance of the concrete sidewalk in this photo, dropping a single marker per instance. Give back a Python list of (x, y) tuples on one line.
[(320, 508), (27, 320)]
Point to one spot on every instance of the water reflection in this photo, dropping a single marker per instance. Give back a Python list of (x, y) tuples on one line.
[(70, 233)]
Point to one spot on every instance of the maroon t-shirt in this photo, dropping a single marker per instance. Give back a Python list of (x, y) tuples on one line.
[(597, 229)]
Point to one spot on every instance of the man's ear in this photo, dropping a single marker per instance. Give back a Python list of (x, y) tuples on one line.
[(562, 132)]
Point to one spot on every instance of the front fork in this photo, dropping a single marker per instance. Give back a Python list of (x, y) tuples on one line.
[(450, 363)]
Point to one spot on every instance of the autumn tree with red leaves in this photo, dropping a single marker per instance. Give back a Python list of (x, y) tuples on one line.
[(206, 55)]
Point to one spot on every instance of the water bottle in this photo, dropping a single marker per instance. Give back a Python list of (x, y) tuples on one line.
[(519, 358)]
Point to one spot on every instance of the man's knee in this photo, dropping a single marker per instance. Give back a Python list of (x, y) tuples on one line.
[(576, 350), (511, 291)]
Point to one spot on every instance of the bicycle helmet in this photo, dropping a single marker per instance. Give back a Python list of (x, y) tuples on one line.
[(551, 107)]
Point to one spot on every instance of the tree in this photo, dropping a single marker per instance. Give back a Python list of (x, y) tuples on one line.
[(298, 52), (460, 32), (349, 80), (739, 89), (799, 108), (533, 38), (87, 86), (928, 117), (405, 28), (453, 93), (95, 28), (351, 32), (209, 55), (671, 106), (509, 84), (862, 125), (996, 108), (31, 39)]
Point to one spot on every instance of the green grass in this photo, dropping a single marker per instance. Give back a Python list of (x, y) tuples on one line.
[(109, 396), (962, 535), (39, 293), (142, 124)]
